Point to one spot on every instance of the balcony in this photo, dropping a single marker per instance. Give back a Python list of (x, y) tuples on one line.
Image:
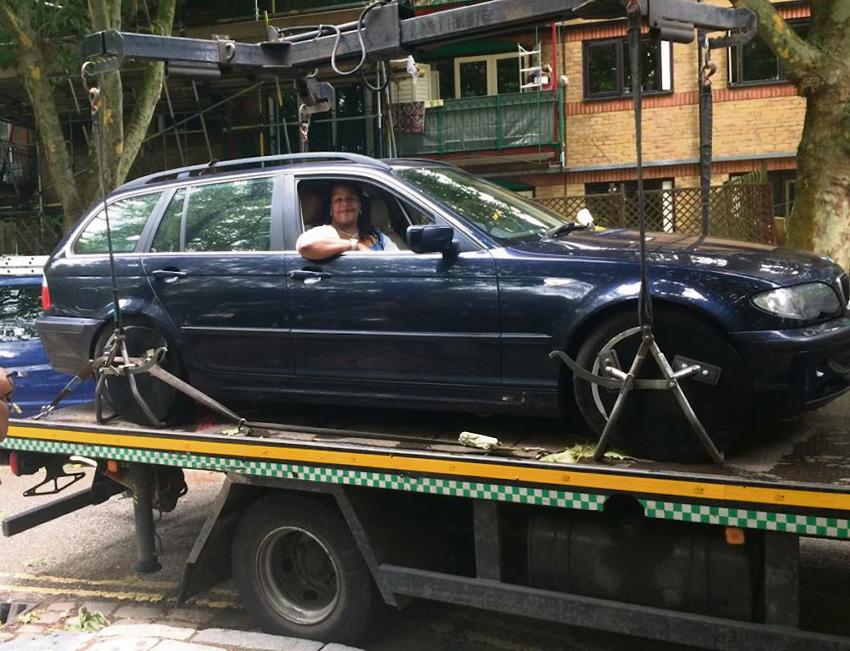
[(471, 124), (493, 122)]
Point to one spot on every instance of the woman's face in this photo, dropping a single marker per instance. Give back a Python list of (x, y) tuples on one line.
[(345, 206)]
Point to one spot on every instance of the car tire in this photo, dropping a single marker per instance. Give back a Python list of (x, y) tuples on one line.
[(299, 571), (166, 403), (653, 424)]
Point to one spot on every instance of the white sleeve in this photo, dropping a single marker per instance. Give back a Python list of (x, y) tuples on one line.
[(324, 233)]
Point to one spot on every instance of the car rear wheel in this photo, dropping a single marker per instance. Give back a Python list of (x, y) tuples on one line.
[(652, 424), (165, 402), (299, 571)]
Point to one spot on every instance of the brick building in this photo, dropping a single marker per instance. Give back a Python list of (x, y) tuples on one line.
[(492, 106)]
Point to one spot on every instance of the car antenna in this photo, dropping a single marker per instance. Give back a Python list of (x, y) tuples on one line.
[(615, 378)]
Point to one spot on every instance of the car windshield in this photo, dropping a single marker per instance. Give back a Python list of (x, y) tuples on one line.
[(506, 217)]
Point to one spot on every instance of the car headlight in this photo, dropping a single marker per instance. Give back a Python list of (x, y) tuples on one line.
[(803, 302)]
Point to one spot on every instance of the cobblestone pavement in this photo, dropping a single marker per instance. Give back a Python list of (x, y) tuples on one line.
[(55, 627)]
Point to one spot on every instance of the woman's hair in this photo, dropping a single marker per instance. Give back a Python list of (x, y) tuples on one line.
[(364, 222)]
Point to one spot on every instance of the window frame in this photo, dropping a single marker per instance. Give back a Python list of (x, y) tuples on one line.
[(665, 51), (492, 73), (782, 73)]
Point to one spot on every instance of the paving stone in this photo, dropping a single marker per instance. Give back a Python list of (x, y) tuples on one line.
[(6, 636), (62, 606), (147, 630), (124, 644), (259, 641), (48, 617), (176, 645), (193, 615), (134, 611), (30, 629), (63, 641), (333, 646)]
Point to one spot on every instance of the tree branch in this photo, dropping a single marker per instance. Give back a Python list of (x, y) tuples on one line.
[(802, 60), (99, 13), (148, 94)]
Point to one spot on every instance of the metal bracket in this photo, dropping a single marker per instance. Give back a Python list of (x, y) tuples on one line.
[(54, 471), (315, 96), (677, 20)]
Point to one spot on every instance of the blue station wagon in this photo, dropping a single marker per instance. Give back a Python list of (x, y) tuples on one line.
[(462, 317)]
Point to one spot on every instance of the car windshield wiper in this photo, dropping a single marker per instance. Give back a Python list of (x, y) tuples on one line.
[(563, 229)]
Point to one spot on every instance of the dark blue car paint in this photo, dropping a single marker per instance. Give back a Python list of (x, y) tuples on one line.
[(36, 382), (467, 332)]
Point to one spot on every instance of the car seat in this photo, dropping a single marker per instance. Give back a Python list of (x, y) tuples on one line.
[(379, 215)]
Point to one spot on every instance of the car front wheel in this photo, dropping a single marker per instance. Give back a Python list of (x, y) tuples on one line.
[(653, 424)]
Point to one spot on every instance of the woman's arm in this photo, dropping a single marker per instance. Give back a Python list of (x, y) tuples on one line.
[(323, 242)]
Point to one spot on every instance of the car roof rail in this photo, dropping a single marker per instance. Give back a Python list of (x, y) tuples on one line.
[(430, 161), (257, 162)]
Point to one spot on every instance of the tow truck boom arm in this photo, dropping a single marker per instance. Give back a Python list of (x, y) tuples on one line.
[(389, 28)]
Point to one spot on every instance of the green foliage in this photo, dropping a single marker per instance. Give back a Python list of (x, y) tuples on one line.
[(89, 622), (58, 25)]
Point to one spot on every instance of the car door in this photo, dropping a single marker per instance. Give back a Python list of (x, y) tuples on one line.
[(215, 270), (395, 317)]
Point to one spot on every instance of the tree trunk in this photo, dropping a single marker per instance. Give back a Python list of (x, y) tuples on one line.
[(821, 217), (33, 71)]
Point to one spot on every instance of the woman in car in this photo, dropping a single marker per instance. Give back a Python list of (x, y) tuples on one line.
[(349, 229)]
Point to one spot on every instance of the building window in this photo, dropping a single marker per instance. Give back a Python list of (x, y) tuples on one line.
[(477, 76), (607, 68), (755, 62)]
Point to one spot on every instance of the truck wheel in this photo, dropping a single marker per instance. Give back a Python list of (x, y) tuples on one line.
[(164, 401), (653, 424), (299, 572)]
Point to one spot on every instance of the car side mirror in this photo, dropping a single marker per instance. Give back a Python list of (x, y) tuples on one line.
[(430, 238)]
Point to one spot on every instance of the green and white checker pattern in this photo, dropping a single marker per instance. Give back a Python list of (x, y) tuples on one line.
[(745, 518), (321, 474)]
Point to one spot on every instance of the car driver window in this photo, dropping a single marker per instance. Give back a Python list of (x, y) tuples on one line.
[(381, 210)]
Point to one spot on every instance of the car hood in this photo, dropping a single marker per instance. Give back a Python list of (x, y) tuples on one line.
[(775, 264)]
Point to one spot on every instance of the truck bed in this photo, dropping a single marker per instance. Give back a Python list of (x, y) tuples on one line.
[(791, 476)]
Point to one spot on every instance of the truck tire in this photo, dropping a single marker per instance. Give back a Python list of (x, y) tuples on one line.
[(652, 424), (166, 403), (299, 571)]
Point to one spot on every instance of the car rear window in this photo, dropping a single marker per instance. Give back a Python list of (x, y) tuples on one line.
[(229, 216), (127, 218), (20, 306)]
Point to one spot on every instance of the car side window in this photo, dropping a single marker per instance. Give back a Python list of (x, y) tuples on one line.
[(127, 218), (381, 208), (229, 216), (20, 306), (167, 238)]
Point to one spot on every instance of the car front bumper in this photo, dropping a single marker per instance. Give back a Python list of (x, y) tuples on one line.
[(68, 341), (797, 370)]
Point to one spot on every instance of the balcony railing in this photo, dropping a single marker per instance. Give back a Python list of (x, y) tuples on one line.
[(484, 123), (495, 122)]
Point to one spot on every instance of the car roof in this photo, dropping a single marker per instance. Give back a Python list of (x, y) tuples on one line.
[(307, 160)]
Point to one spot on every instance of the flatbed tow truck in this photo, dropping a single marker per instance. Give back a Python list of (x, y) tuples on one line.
[(702, 555), (319, 525)]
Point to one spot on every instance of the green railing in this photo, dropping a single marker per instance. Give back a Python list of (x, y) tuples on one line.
[(471, 124), (484, 123)]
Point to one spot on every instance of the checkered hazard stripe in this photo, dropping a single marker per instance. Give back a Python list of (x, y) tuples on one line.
[(696, 513)]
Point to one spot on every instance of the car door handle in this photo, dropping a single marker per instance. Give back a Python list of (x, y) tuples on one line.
[(169, 275), (307, 274)]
